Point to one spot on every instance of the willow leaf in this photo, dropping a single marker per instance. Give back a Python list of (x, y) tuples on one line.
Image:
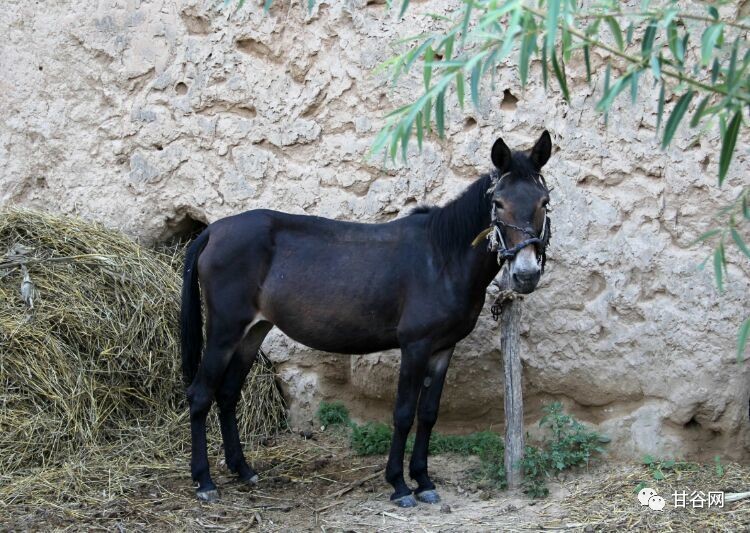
[(527, 44), (448, 47), (553, 12), (404, 6), (728, 143), (698, 115), (440, 113), (739, 242), (674, 119), (429, 54), (587, 59), (560, 75), (614, 27), (719, 267), (708, 42), (648, 39), (660, 108)]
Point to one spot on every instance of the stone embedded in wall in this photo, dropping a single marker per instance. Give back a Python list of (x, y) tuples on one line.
[(137, 114)]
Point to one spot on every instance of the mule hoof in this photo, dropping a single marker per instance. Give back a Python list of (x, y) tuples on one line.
[(251, 481), (428, 496), (210, 495), (405, 501)]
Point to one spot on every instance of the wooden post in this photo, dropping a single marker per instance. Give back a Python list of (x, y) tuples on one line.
[(510, 318)]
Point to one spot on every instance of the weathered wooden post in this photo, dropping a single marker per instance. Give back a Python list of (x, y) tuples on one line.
[(510, 318)]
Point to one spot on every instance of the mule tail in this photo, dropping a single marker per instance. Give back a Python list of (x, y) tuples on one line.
[(191, 322)]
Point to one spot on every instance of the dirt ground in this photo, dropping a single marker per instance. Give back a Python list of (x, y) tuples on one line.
[(317, 484)]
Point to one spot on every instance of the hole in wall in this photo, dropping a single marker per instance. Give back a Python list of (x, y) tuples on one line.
[(196, 24), (186, 224), (509, 101), (705, 162), (256, 48), (181, 88), (40, 68), (692, 424), (245, 111), (159, 147), (470, 123)]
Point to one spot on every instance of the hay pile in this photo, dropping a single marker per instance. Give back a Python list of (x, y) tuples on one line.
[(89, 360)]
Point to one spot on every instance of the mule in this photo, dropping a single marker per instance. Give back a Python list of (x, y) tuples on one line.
[(417, 283)]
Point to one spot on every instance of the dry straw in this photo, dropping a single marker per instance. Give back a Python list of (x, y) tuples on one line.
[(89, 361)]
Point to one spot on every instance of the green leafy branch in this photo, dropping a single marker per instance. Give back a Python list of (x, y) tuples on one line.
[(485, 32)]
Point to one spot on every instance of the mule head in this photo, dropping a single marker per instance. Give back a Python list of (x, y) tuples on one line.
[(519, 211)]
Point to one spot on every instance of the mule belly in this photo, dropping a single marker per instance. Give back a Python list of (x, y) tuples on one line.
[(338, 338), (335, 324), (336, 302)]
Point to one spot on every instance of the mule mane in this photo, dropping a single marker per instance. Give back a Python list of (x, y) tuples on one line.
[(454, 226)]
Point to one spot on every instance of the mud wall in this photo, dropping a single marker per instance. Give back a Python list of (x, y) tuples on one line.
[(152, 116)]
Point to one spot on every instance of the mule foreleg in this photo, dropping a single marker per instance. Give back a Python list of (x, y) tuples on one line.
[(413, 362), (429, 403)]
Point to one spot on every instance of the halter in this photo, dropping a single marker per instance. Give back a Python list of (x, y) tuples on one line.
[(494, 233)]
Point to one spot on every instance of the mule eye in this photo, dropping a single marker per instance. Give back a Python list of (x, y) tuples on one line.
[(499, 204)]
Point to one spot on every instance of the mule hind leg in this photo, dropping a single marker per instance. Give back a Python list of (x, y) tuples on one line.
[(228, 395), (224, 336)]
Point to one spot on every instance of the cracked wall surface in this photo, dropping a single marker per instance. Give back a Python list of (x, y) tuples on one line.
[(150, 115)]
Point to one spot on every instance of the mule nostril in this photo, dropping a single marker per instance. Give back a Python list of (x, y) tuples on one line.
[(524, 276)]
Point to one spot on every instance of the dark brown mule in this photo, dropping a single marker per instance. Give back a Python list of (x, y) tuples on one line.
[(415, 283)]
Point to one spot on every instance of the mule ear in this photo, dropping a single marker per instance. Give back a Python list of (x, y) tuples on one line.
[(501, 155), (541, 151)]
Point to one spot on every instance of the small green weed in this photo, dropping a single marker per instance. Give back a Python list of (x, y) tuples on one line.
[(568, 444), (333, 414), (718, 467), (371, 438), (660, 467), (487, 445)]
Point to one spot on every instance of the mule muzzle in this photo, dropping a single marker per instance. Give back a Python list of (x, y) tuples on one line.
[(525, 271), (525, 281)]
